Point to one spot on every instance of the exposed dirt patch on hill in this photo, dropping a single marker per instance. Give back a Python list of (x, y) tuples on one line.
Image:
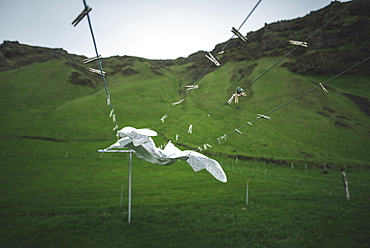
[(78, 79), (362, 102), (343, 117), (323, 114), (129, 71), (341, 124)]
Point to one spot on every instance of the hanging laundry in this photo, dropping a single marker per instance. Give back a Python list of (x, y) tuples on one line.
[(141, 142)]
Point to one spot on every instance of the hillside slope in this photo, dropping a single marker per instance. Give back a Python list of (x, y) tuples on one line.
[(48, 94)]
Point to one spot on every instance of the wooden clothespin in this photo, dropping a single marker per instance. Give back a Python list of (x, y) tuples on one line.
[(323, 89), (108, 100), (264, 117), (298, 43), (101, 73), (81, 16), (111, 113), (190, 129), (177, 103), (237, 33), (239, 132), (231, 99), (88, 60), (191, 87), (115, 128), (206, 146), (164, 117), (212, 59)]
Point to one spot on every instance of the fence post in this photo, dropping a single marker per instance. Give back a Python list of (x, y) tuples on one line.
[(345, 184), (246, 195)]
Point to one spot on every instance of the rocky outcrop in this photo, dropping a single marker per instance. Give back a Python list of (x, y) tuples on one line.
[(14, 55), (337, 46)]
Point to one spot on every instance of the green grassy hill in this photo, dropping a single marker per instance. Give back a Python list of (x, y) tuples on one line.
[(39, 101)]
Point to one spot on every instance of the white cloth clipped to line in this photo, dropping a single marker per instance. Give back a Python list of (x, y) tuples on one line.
[(141, 142)]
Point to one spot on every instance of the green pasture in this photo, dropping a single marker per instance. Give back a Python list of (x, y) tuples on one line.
[(65, 194), (316, 127), (57, 191)]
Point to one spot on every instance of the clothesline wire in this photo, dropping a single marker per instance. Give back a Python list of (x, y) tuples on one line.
[(275, 64), (210, 65), (109, 102), (296, 98)]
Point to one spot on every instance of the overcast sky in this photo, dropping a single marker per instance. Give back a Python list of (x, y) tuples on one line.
[(154, 29)]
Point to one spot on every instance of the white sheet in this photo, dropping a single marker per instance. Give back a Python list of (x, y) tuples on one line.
[(141, 142)]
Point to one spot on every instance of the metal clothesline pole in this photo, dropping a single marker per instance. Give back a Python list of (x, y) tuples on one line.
[(129, 188), (129, 177)]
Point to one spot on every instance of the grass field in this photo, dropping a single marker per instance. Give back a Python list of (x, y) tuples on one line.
[(64, 194)]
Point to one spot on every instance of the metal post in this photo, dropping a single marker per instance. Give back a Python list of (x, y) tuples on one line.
[(129, 187), (246, 196), (120, 202), (129, 178)]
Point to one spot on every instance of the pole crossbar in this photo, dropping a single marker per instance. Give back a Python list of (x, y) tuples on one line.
[(114, 151)]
